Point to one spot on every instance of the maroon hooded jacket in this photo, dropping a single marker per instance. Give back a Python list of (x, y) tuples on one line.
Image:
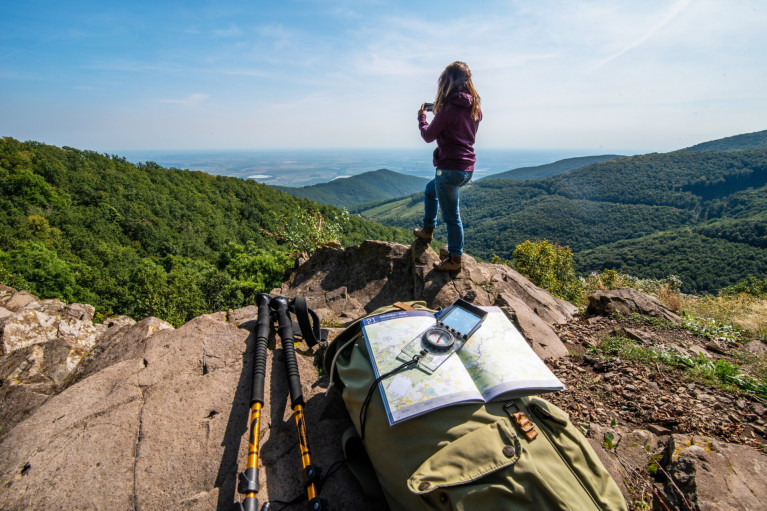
[(454, 130)]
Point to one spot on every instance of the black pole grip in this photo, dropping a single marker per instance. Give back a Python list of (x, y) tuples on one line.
[(285, 330), (263, 323)]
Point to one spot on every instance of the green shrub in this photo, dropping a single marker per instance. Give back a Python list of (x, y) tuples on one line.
[(254, 270), (306, 230), (550, 266)]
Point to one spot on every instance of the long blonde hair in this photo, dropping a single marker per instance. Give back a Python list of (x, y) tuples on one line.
[(457, 78)]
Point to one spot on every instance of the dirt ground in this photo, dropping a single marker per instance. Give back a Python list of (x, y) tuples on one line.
[(605, 389), (611, 388)]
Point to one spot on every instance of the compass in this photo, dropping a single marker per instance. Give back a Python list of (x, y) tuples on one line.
[(438, 339), (432, 346)]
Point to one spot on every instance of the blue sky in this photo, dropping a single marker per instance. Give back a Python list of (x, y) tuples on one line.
[(592, 75)]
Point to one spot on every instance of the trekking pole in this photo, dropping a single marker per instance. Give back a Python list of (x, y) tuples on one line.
[(249, 478), (311, 473)]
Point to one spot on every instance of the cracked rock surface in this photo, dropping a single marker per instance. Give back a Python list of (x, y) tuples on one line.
[(161, 422)]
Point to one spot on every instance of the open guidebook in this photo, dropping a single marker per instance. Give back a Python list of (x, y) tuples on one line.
[(495, 363)]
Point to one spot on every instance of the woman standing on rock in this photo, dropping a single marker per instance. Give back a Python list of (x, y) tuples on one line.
[(456, 118)]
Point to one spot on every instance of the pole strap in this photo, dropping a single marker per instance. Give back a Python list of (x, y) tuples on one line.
[(308, 321)]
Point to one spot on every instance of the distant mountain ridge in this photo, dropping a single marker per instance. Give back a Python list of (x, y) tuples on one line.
[(378, 185), (368, 189), (144, 240), (754, 140), (552, 169)]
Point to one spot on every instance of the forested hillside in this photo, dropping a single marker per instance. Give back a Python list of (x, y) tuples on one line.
[(698, 214), (755, 140), (552, 169), (378, 185), (144, 240)]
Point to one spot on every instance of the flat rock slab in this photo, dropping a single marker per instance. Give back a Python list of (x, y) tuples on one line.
[(168, 428)]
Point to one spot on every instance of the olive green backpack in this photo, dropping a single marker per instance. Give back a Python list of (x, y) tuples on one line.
[(523, 454)]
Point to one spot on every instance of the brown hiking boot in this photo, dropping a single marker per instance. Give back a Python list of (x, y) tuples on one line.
[(426, 234), (450, 263), (443, 253)]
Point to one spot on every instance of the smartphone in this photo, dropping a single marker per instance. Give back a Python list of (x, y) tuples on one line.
[(429, 107)]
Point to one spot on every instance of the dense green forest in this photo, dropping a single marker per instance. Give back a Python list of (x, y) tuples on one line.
[(378, 185), (703, 262), (701, 215), (551, 169), (145, 240)]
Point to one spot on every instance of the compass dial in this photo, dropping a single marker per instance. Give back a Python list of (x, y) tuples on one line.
[(438, 339)]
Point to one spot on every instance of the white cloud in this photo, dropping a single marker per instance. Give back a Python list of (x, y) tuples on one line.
[(672, 13), (191, 100), (340, 73), (231, 31)]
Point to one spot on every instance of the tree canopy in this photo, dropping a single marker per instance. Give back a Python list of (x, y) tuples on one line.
[(145, 240)]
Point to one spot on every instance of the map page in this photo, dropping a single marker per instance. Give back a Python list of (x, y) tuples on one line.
[(496, 361), (502, 364)]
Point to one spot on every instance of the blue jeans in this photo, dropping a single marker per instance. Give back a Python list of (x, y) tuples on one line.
[(443, 192)]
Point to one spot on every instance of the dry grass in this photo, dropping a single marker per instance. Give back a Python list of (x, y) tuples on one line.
[(670, 297), (743, 311)]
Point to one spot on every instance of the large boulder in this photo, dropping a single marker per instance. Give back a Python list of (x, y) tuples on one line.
[(30, 375), (715, 475), (344, 284), (43, 344), (627, 301)]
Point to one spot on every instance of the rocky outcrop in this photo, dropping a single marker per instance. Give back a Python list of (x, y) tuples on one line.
[(164, 425), (344, 284), (714, 475), (37, 322), (627, 301), (144, 416), (47, 343), (686, 472)]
